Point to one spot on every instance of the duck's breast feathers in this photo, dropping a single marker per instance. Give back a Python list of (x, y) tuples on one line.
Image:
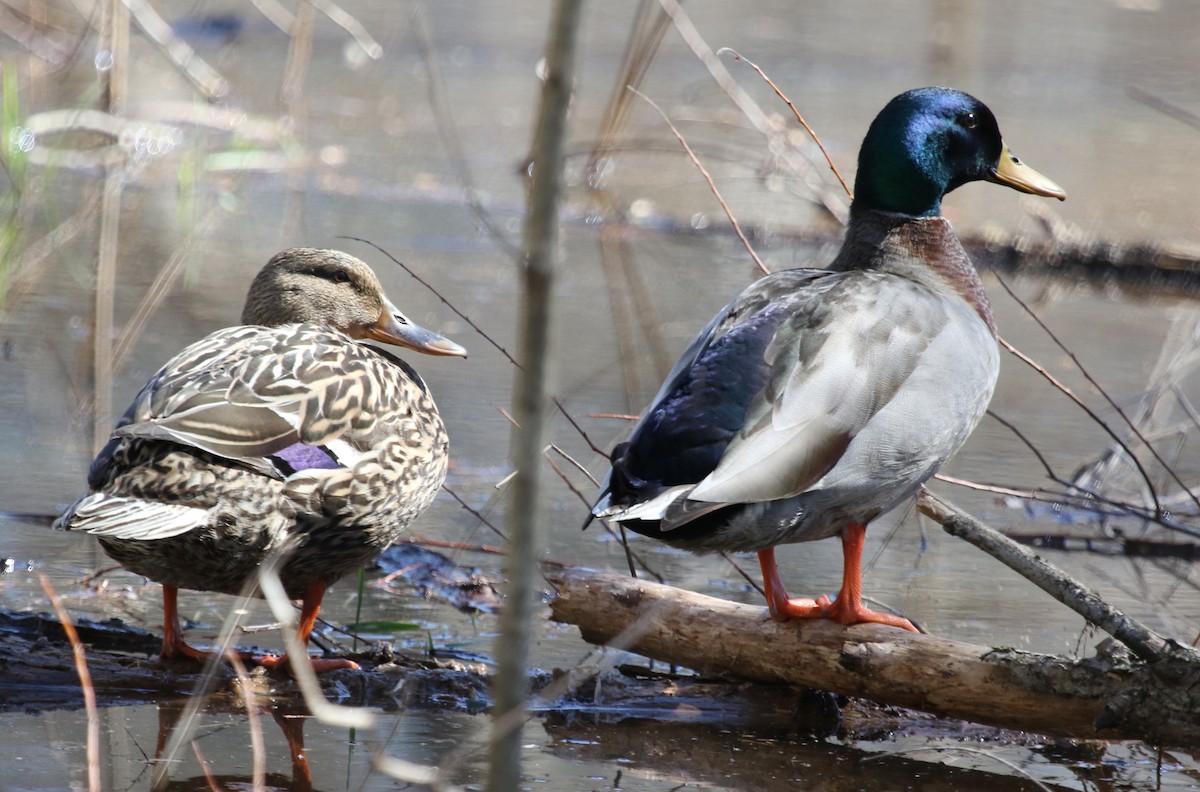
[(247, 393)]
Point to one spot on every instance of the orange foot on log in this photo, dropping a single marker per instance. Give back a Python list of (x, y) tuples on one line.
[(847, 608)]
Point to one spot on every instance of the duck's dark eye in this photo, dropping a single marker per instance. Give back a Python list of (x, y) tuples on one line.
[(341, 276), (968, 121)]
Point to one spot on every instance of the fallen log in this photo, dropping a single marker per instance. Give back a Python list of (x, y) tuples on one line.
[(1111, 695)]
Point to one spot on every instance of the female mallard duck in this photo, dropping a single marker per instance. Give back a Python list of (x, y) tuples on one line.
[(282, 435), (820, 399)]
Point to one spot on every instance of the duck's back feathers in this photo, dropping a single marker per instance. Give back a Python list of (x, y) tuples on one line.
[(246, 393), (705, 400), (255, 437)]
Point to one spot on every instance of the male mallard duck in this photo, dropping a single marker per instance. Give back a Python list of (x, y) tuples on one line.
[(820, 399), (284, 434)]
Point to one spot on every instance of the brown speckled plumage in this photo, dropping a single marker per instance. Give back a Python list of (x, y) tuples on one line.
[(285, 434)]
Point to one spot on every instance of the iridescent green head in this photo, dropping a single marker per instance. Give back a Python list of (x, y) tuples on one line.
[(928, 141)]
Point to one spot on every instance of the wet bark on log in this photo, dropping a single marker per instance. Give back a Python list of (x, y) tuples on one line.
[(1111, 695)]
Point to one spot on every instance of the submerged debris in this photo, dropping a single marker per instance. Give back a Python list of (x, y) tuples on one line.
[(437, 577)]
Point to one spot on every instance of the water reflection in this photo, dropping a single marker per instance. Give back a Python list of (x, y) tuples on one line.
[(166, 769)]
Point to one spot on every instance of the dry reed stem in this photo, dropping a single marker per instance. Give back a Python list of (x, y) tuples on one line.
[(712, 185), (346, 21), (203, 77), (162, 285), (816, 139), (276, 14), (302, 670), (258, 772), (449, 133), (648, 31), (188, 721), (29, 267), (1143, 642), (531, 399), (754, 114), (114, 46), (205, 768), (628, 306), (85, 682), (295, 70)]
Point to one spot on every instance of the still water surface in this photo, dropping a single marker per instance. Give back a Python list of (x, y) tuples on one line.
[(369, 155)]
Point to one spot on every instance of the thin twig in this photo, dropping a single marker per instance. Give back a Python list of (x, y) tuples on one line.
[(1158, 516), (562, 474), (1028, 443), (578, 428), (1164, 106), (85, 682), (712, 185), (1091, 413), (438, 294), (992, 488), (531, 397), (1087, 375), (750, 109), (574, 462), (738, 56), (745, 575), (474, 512)]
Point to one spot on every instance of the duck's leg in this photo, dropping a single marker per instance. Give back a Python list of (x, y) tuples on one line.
[(173, 643), (174, 646), (848, 607), (781, 607), (310, 606)]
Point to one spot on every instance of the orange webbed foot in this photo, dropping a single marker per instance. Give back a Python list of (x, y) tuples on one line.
[(844, 611), (798, 608)]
